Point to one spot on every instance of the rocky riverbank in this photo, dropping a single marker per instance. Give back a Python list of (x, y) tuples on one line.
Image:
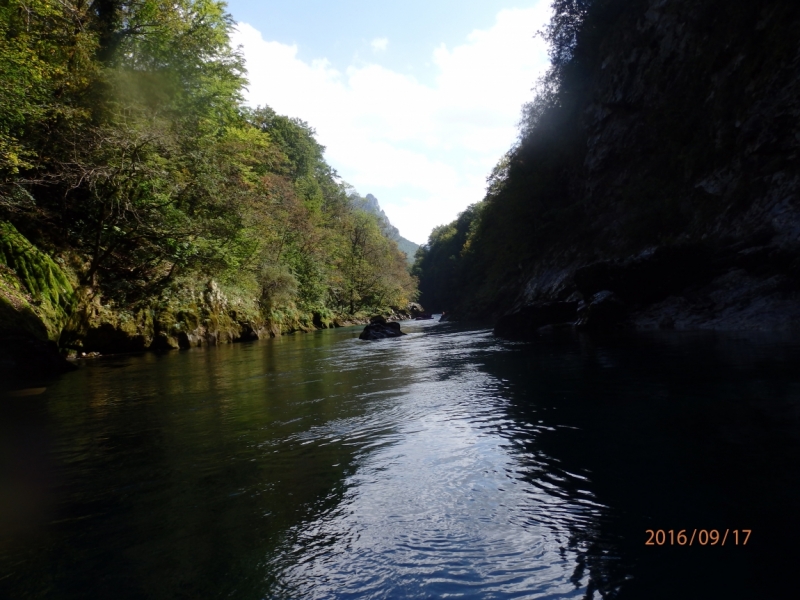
[(47, 318), (747, 285)]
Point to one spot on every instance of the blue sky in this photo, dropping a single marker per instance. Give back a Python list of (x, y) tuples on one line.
[(414, 101)]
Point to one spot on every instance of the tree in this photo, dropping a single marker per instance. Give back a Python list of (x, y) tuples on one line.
[(373, 270), (146, 177), (45, 69), (440, 264)]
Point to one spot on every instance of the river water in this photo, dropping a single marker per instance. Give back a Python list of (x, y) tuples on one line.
[(447, 463)]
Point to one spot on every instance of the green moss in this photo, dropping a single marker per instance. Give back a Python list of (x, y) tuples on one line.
[(33, 287)]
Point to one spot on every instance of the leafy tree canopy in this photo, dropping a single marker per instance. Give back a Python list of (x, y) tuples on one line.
[(123, 139)]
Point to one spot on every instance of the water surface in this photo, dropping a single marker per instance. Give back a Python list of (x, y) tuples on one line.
[(447, 463)]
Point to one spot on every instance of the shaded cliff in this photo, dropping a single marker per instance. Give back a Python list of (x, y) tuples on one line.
[(657, 168)]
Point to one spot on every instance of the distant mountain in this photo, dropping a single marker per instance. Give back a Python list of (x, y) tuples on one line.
[(369, 203)]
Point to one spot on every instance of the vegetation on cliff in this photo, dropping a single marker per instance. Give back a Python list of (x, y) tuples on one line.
[(126, 151), (659, 125), (36, 296), (369, 203)]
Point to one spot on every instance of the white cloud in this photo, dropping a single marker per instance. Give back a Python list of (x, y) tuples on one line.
[(424, 151), (379, 44)]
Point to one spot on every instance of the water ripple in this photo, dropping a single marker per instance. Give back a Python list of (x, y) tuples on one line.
[(446, 463)]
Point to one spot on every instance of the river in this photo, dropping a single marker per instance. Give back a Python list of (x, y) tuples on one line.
[(447, 463)]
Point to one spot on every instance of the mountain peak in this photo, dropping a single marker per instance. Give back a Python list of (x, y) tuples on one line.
[(370, 204)]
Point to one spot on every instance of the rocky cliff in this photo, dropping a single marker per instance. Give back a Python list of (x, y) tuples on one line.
[(671, 177), (370, 204)]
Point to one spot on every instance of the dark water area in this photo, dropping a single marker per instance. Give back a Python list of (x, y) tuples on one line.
[(448, 463)]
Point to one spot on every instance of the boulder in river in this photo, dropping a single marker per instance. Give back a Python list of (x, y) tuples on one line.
[(378, 331)]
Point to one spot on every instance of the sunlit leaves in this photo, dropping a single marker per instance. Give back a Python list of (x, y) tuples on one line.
[(123, 137), (45, 65)]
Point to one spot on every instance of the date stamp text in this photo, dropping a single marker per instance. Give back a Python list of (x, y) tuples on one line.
[(700, 537)]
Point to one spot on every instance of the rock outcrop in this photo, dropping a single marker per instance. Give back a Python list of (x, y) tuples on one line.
[(24, 357), (36, 300), (187, 319), (748, 285), (379, 328), (524, 322), (45, 314)]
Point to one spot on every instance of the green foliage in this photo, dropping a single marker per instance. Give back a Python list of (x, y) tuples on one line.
[(440, 264), (370, 204), (296, 140), (45, 67), (33, 283), (371, 269), (278, 287), (123, 138)]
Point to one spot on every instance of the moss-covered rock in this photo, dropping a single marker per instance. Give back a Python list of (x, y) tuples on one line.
[(106, 329), (36, 300), (185, 316), (36, 295)]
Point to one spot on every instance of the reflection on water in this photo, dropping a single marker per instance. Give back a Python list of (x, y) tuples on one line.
[(445, 463)]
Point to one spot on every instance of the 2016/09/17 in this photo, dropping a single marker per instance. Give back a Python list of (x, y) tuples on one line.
[(704, 537)]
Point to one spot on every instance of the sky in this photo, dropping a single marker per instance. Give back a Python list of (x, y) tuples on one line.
[(414, 101)]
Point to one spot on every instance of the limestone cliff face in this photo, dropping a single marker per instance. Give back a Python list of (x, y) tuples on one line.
[(688, 180), (188, 318), (43, 309)]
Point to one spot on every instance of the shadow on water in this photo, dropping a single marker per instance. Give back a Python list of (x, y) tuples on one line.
[(668, 431), (169, 476), (445, 463)]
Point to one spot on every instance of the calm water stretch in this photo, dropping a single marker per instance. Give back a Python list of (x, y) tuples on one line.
[(448, 463)]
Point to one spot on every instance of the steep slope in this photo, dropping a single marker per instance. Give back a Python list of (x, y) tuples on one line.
[(659, 170), (370, 204)]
